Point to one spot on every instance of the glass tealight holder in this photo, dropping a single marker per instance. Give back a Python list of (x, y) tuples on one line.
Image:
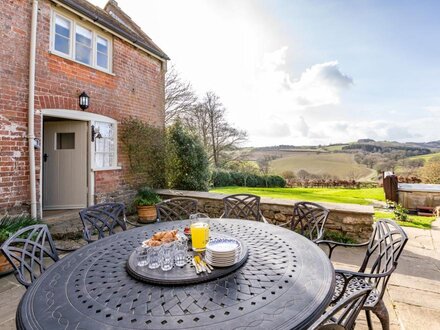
[(167, 257), (154, 254), (180, 253), (142, 256)]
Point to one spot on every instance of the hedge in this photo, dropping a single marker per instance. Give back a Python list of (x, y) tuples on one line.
[(222, 178)]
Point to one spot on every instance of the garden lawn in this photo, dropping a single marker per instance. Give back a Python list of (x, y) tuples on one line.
[(362, 196), (415, 221)]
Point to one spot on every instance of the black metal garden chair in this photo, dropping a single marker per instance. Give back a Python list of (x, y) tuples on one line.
[(243, 206), (30, 251), (309, 220), (102, 220), (383, 250), (343, 314), (179, 208)]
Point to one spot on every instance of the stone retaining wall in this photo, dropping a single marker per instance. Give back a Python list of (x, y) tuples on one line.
[(354, 221)]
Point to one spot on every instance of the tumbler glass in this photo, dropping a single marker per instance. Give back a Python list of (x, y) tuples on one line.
[(180, 253), (167, 257), (154, 253), (142, 256)]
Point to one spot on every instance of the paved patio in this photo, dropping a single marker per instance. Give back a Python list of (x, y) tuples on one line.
[(412, 297)]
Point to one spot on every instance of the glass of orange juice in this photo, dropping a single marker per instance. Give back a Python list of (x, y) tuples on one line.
[(199, 233)]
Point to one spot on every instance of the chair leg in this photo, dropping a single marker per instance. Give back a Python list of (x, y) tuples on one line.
[(382, 313), (368, 317)]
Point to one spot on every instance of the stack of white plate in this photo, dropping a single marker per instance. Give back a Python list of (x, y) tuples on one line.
[(223, 252)]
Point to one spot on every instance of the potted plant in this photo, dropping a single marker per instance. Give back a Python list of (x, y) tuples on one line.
[(8, 226), (145, 202)]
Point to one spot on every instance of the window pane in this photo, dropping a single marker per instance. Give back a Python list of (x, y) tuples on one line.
[(62, 26), (104, 145), (83, 45), (65, 141), (102, 60), (83, 54), (62, 44), (62, 35), (102, 45), (83, 36)]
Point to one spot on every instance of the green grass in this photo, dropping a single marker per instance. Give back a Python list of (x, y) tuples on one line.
[(341, 165), (415, 221), (426, 157), (333, 195)]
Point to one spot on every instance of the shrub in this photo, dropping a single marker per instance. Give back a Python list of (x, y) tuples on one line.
[(239, 178), (187, 165), (145, 148), (221, 178), (400, 213), (276, 181), (10, 224)]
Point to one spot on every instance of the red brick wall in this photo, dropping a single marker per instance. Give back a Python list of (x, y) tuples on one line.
[(136, 88)]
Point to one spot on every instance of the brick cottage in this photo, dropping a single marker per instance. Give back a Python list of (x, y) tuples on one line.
[(53, 154)]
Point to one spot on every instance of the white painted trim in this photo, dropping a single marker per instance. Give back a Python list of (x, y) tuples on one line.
[(111, 168), (77, 115)]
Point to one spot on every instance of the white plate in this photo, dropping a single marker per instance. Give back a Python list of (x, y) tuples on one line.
[(223, 245)]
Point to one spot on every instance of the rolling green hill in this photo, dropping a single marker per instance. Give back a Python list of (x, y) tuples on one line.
[(341, 165), (426, 157)]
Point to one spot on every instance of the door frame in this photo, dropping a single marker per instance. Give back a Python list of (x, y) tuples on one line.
[(81, 116)]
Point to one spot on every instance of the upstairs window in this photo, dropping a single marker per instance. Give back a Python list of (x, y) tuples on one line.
[(62, 35), (80, 42)]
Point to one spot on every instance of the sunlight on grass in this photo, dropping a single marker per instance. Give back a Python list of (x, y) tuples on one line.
[(362, 196), (415, 221)]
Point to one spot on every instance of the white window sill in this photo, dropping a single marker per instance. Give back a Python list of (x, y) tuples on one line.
[(75, 61), (112, 168)]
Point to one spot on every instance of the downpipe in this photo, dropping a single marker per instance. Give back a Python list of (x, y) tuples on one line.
[(31, 109)]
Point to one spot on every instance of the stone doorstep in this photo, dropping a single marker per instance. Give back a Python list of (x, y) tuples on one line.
[(65, 225)]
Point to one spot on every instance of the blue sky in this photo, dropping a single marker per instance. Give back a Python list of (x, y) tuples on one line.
[(310, 71)]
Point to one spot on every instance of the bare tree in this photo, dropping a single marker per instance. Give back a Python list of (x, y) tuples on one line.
[(179, 96), (219, 137)]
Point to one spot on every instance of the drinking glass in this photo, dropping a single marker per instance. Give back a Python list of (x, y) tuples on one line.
[(154, 254), (142, 256), (180, 253), (167, 257), (199, 232)]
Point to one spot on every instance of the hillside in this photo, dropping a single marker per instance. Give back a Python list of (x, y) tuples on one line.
[(341, 165)]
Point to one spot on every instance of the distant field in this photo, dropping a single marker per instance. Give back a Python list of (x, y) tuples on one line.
[(426, 157), (333, 195), (335, 147), (340, 164)]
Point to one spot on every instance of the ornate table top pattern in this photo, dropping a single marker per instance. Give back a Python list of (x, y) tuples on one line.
[(286, 283)]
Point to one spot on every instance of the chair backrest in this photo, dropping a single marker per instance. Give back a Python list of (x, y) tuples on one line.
[(384, 249), (30, 251), (179, 208), (102, 219), (242, 206), (309, 219), (343, 314)]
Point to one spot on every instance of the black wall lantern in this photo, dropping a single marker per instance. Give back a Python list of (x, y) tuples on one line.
[(84, 101)]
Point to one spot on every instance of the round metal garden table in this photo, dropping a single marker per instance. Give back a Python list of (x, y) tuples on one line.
[(286, 283)]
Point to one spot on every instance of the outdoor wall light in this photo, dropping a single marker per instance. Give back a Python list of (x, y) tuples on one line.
[(84, 101)]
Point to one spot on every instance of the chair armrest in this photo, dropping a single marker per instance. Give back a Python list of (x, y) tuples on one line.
[(348, 276), (332, 245)]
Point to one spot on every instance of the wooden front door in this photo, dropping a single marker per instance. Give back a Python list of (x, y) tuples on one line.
[(65, 165)]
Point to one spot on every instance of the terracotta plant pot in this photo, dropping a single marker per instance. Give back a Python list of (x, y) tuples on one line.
[(147, 214), (5, 266)]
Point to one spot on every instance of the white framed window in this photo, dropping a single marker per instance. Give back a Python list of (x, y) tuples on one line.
[(62, 32), (80, 42), (105, 145)]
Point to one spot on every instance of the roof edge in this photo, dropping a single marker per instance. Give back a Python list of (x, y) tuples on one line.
[(71, 4)]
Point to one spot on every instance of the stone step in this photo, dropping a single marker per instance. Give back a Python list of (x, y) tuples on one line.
[(64, 225)]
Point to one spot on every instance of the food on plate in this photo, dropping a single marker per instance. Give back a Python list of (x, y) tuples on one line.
[(161, 238)]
